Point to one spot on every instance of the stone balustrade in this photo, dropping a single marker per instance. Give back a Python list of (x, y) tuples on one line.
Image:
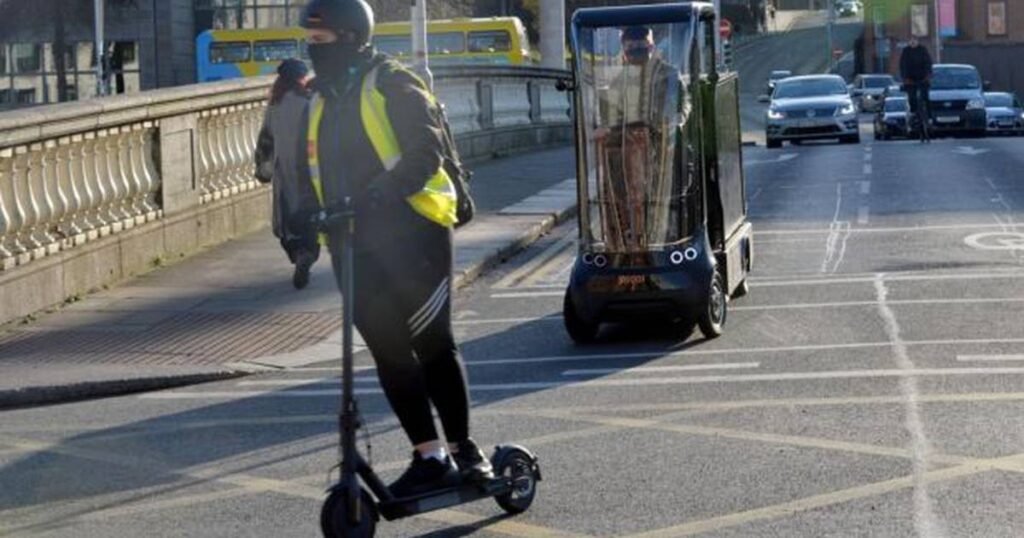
[(79, 173)]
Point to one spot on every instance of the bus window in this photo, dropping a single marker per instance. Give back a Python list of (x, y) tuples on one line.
[(303, 49), (446, 43), (490, 41), (274, 51), (230, 52), (395, 45)]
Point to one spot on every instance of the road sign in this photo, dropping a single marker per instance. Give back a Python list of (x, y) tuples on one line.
[(725, 28)]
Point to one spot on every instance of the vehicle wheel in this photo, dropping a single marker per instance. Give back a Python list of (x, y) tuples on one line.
[(714, 311), (796, 142), (334, 516), (579, 330), (742, 290), (521, 469), (852, 139), (771, 143)]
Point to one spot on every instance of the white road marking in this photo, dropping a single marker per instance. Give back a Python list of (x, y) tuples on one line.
[(862, 215), (867, 156), (865, 187), (526, 294), (867, 169), (835, 243), (780, 159), (617, 382), (663, 369), (970, 151), (503, 321), (926, 522), (890, 278), (529, 267), (972, 358), (897, 229)]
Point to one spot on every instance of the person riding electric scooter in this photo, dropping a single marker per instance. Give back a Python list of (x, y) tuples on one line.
[(373, 136)]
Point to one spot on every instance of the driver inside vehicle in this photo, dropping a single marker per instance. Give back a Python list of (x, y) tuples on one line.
[(638, 111)]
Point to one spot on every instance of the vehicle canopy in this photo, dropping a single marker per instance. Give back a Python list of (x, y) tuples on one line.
[(634, 102)]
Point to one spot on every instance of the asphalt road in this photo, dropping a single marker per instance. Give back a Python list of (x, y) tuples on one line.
[(871, 384)]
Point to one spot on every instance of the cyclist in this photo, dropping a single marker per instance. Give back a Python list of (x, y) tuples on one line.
[(916, 71)]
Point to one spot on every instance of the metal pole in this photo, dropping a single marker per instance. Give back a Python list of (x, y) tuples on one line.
[(552, 33), (419, 41), (938, 36), (719, 52), (98, 48), (830, 6)]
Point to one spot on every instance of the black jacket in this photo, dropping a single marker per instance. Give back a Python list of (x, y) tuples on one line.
[(349, 166), (915, 64)]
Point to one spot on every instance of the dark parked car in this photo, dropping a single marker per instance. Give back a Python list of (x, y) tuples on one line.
[(1005, 113), (957, 100), (891, 120)]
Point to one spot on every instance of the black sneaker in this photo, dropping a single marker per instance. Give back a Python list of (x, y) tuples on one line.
[(301, 276), (473, 465), (425, 475)]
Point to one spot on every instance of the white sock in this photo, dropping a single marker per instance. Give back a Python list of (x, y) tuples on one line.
[(439, 454)]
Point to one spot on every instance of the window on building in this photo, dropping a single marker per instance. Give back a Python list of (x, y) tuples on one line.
[(446, 43), (26, 57), (489, 41), (3, 59), (229, 52), (27, 96), (274, 50), (6, 97)]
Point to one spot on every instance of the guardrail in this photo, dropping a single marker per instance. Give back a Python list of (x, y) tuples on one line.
[(75, 172)]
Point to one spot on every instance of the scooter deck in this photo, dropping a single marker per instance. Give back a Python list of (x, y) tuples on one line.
[(444, 498)]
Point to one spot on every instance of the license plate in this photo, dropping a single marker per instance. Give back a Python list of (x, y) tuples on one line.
[(630, 282), (947, 119), (1006, 124), (811, 123)]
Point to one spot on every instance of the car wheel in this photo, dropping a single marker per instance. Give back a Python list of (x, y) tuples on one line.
[(772, 143)]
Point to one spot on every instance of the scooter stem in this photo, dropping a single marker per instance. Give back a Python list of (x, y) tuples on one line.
[(348, 418)]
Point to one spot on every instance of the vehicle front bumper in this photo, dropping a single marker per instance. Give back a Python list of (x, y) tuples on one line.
[(1005, 124), (974, 120), (812, 128)]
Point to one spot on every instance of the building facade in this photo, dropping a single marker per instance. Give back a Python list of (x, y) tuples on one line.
[(988, 34)]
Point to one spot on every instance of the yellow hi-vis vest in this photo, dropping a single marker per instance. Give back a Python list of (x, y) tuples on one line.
[(436, 201)]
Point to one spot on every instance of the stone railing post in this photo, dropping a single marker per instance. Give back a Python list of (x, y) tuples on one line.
[(180, 188)]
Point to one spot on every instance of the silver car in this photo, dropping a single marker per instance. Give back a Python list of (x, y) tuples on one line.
[(811, 107)]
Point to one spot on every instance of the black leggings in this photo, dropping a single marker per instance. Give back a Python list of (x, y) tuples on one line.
[(403, 311)]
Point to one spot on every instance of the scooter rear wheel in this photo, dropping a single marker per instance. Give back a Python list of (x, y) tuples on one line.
[(335, 521), (521, 469)]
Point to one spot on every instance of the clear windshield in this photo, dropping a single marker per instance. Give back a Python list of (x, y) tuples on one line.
[(956, 79), (878, 82), (809, 88), (896, 105), (998, 100), (633, 86)]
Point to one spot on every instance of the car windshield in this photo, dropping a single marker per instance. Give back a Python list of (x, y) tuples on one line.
[(998, 100), (878, 82), (896, 105), (811, 87), (956, 78), (633, 88)]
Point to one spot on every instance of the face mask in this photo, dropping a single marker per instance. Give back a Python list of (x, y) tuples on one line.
[(331, 61)]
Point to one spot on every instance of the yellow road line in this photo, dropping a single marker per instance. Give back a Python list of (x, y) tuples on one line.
[(790, 508)]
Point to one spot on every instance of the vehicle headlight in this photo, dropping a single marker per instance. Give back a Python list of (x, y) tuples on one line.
[(775, 114), (846, 110), (975, 104)]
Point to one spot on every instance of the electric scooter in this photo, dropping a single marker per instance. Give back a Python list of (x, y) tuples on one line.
[(356, 502)]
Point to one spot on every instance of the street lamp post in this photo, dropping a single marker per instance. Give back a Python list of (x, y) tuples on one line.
[(419, 41), (938, 35), (552, 33), (830, 6), (98, 48)]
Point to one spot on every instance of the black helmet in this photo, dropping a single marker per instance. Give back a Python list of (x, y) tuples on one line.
[(354, 16)]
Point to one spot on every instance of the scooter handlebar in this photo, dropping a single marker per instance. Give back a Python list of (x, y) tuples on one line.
[(333, 217)]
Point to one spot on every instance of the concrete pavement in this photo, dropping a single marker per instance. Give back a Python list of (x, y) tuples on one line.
[(231, 310)]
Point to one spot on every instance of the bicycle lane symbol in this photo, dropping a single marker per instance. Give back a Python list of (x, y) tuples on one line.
[(996, 241)]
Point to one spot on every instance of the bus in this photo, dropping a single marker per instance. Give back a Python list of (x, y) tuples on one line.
[(226, 54)]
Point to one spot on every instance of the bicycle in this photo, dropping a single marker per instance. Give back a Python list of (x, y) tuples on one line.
[(918, 97)]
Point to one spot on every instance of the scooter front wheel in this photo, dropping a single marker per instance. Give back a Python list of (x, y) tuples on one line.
[(336, 520), (521, 470)]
